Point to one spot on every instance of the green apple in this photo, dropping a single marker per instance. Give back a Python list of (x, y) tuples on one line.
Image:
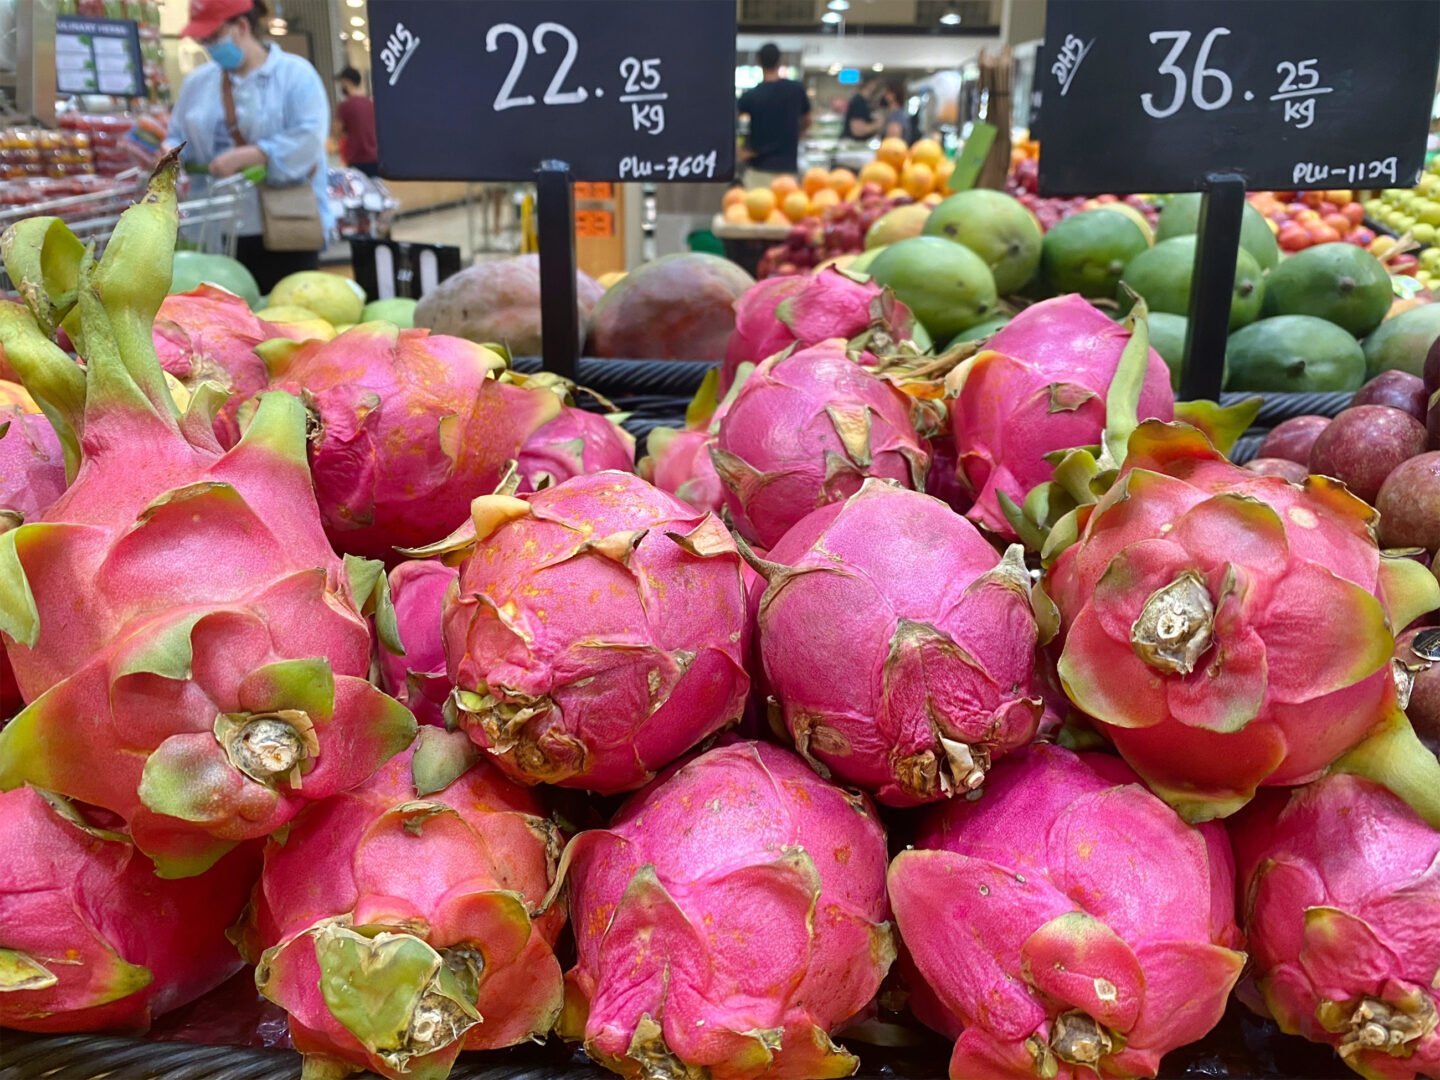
[(1423, 232)]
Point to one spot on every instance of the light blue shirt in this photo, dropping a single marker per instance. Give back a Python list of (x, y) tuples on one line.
[(281, 107)]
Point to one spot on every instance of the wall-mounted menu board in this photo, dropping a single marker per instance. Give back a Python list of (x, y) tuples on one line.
[(98, 56)]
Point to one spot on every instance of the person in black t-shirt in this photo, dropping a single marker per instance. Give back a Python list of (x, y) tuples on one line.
[(779, 111), (860, 122)]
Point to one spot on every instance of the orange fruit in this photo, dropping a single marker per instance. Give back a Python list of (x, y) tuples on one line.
[(933, 199), (828, 197), (880, 172), (841, 181), (759, 203), (795, 205), (926, 152), (893, 152), (736, 214), (917, 180), (815, 179), (943, 172), (777, 218), (784, 185), (734, 196)]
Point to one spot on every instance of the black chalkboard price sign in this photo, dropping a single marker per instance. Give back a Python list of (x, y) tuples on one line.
[(555, 91), (1203, 95), (1155, 95), (619, 89)]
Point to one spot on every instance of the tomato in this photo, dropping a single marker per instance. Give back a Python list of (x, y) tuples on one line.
[(1322, 234), (1354, 212), (1338, 221)]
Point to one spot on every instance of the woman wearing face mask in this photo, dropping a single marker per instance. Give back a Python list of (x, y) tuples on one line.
[(257, 110)]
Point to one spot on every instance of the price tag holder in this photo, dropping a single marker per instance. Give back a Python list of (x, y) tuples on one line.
[(620, 90), (1157, 95)]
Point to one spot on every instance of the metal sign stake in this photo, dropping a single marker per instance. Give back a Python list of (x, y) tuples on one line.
[(1211, 286), (559, 315)]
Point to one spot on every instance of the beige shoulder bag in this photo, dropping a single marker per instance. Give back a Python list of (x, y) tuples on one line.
[(289, 215)]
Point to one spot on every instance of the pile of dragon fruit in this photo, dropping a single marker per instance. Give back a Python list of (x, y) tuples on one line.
[(979, 684)]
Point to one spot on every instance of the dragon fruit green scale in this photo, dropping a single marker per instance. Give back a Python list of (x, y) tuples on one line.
[(598, 632), (727, 922)]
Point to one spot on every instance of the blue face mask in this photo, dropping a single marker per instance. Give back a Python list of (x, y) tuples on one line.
[(226, 53)]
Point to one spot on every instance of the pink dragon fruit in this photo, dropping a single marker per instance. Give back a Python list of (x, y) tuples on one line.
[(90, 938), (417, 679), (1039, 386), (906, 666), (678, 461), (400, 921), (805, 430), (32, 465), (574, 443), (1067, 923), (730, 918), (1229, 630), (32, 476), (409, 427), (806, 309), (193, 653), (209, 334), (1340, 889), (598, 633)]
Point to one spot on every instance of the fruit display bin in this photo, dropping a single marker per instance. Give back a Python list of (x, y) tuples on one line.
[(1243, 1047)]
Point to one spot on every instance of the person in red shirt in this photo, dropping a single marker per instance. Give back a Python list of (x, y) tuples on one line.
[(355, 124)]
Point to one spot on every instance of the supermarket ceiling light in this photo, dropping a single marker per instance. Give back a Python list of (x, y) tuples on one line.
[(832, 17), (356, 3), (877, 67), (356, 20), (839, 5), (344, 35), (359, 36), (279, 27), (950, 18)]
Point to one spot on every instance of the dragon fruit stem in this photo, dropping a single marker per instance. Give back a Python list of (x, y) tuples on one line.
[(133, 278), (1079, 1039), (1174, 628), (1371, 1024)]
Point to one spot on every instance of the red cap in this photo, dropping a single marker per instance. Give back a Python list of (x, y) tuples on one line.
[(207, 16)]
